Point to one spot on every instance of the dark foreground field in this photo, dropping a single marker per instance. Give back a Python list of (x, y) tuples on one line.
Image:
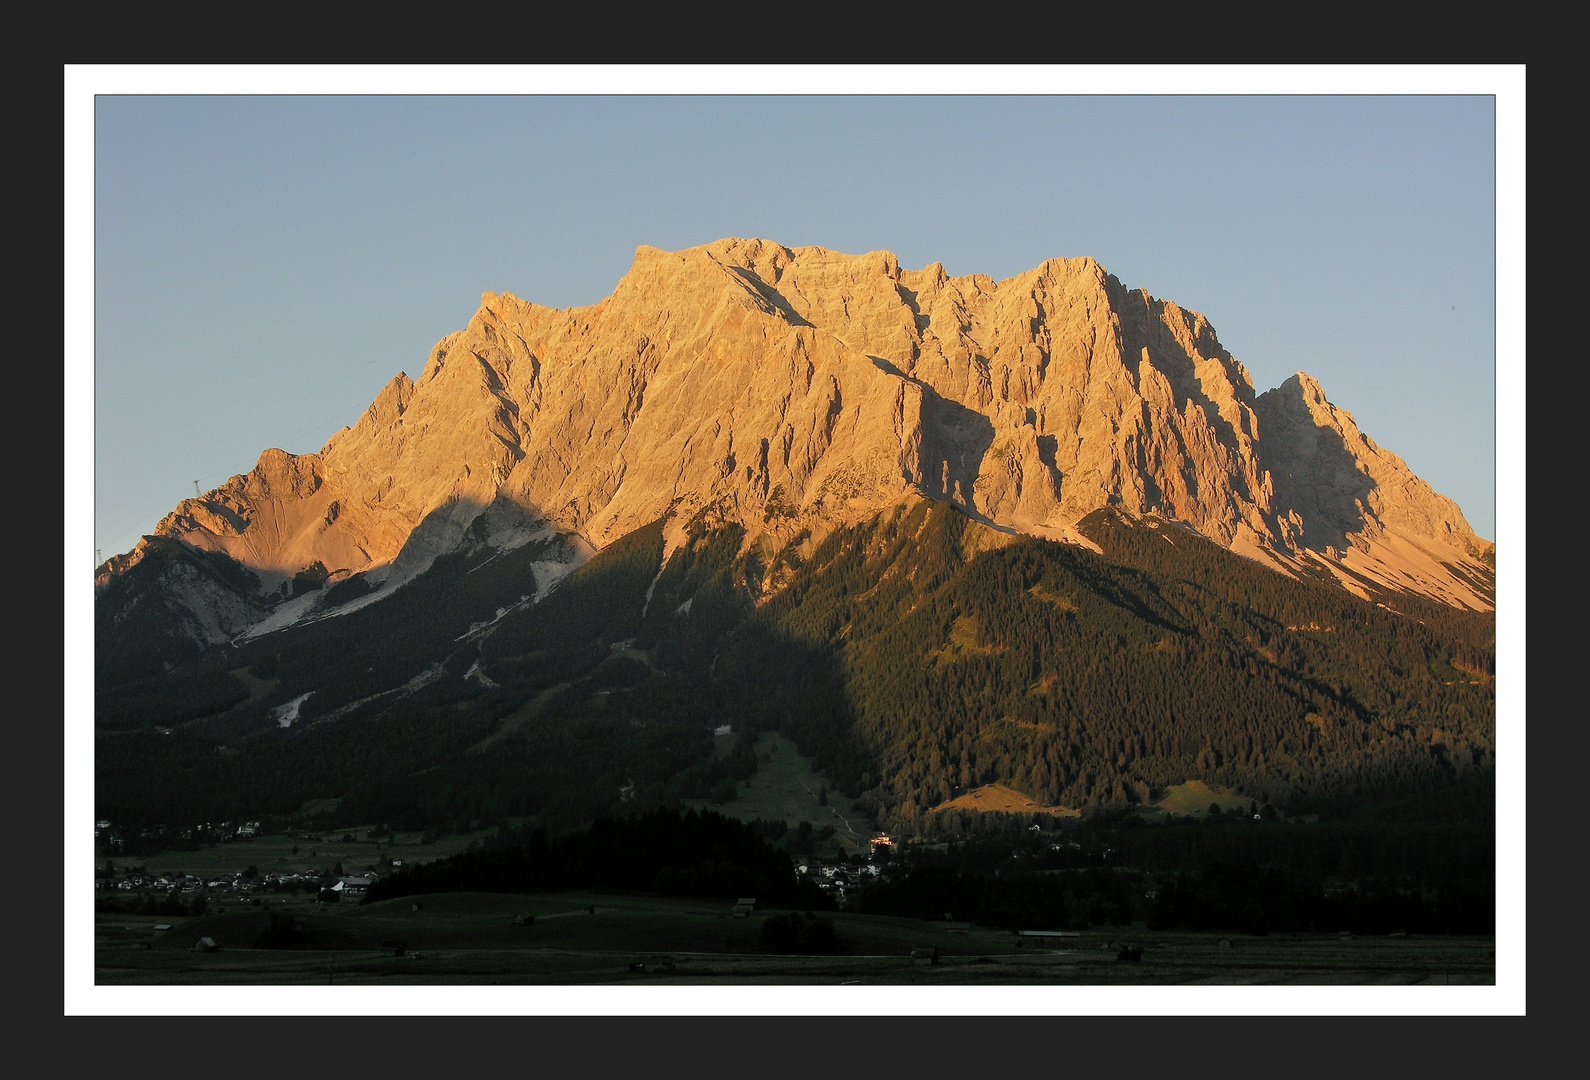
[(472, 938)]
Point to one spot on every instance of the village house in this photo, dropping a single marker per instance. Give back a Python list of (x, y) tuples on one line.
[(353, 887)]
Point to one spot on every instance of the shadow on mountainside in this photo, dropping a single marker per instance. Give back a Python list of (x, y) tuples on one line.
[(770, 294), (180, 605), (1142, 327), (954, 441), (601, 698), (1313, 471)]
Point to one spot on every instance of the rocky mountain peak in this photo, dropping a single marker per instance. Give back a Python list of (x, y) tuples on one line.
[(796, 390)]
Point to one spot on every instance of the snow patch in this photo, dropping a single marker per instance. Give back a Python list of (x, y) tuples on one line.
[(549, 575), (283, 617), (474, 672), (684, 608), (416, 558), (423, 679), (284, 715), (656, 578), (495, 556), (338, 713), (514, 536), (481, 630)]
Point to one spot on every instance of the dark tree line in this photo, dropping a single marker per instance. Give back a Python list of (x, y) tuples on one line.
[(1247, 899), (693, 854)]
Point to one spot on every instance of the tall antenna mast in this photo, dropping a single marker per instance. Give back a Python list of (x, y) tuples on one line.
[(195, 489)]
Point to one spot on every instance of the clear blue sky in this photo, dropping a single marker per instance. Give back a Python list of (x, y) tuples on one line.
[(263, 265)]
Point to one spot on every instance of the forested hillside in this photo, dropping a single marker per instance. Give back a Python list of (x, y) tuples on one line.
[(1082, 679), (912, 657)]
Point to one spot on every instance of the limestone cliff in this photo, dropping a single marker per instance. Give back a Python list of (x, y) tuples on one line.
[(796, 390)]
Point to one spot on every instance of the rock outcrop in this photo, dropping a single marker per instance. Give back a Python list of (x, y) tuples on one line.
[(797, 390)]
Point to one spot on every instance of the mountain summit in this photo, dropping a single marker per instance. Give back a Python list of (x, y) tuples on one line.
[(795, 391)]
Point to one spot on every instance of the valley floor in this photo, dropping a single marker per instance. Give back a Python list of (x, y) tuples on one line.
[(473, 939)]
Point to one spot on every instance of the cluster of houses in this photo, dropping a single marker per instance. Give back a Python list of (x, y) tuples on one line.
[(840, 877), (351, 887), (837, 878), (176, 880)]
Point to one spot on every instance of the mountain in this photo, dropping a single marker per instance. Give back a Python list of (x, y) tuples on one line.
[(795, 391), (942, 532)]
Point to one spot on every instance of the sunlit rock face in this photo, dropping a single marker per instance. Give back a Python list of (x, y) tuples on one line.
[(795, 390)]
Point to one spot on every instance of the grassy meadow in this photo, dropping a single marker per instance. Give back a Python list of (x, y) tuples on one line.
[(471, 938), (786, 789), (1000, 799), (1195, 797), (290, 853)]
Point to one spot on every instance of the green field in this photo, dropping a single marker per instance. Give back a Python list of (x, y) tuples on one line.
[(1195, 797), (464, 938), (786, 789)]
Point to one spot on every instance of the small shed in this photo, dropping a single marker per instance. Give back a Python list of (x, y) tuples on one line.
[(524, 919), (743, 907), (161, 928), (923, 956), (205, 944)]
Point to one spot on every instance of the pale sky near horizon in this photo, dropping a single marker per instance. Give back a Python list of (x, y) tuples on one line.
[(264, 264)]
